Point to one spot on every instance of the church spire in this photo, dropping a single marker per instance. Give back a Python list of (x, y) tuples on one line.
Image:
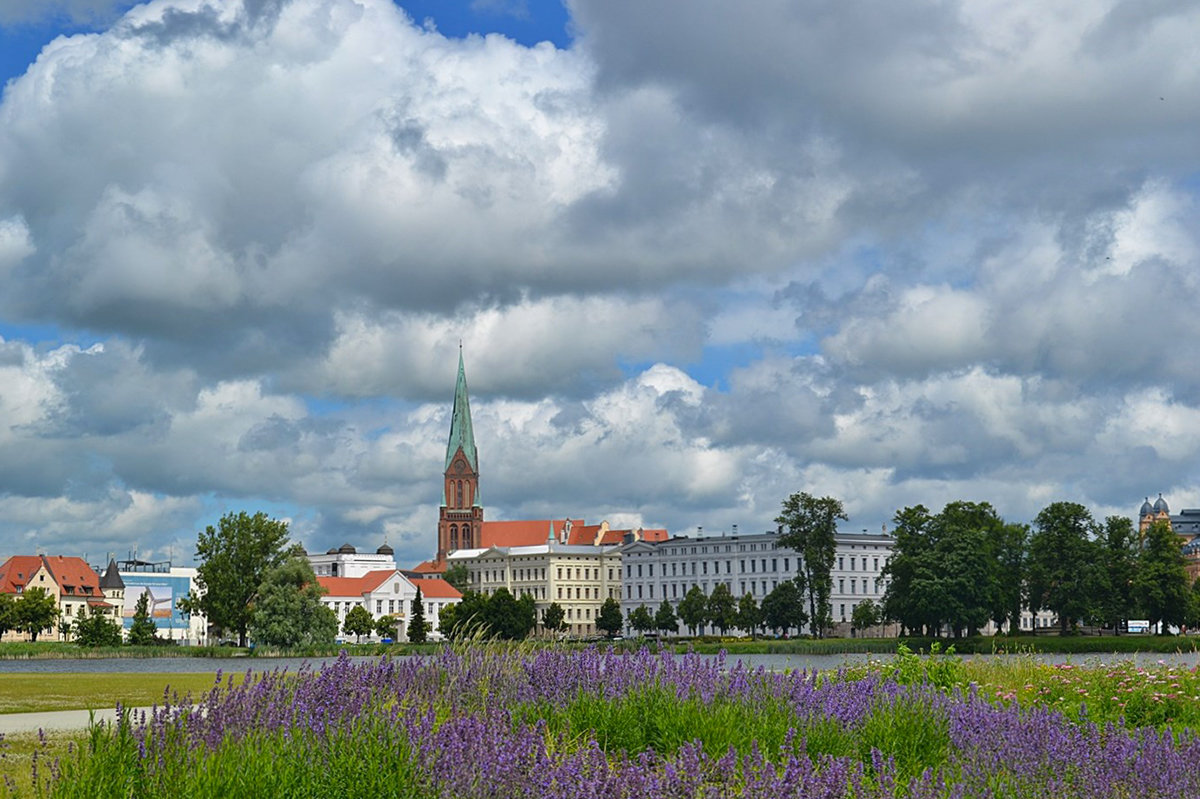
[(462, 435)]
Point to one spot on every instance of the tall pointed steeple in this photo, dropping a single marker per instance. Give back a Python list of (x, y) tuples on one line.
[(462, 435), (460, 519)]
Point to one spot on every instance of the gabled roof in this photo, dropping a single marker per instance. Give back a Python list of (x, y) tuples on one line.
[(436, 588), (357, 586), (430, 567), (462, 435), (73, 575), (524, 533), (16, 571)]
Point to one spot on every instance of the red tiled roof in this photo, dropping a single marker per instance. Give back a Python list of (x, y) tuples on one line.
[(73, 575), (16, 571), (355, 586), (435, 588), (655, 535), (430, 567), (526, 533)]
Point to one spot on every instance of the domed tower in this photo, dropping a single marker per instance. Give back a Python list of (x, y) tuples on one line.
[(1149, 514), (460, 518)]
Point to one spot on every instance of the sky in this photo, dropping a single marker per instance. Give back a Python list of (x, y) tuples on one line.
[(698, 256)]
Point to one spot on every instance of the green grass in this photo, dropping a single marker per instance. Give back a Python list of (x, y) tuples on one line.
[(28, 693)]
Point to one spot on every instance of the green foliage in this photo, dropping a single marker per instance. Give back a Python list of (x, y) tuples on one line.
[(810, 528), (665, 620), (143, 631), (783, 608), (866, 615), (1010, 548), (288, 610), (749, 615), (498, 615), (1065, 564), (417, 629), (1120, 544), (234, 559), (692, 608), (721, 610), (609, 621), (554, 619), (35, 612), (386, 626), (96, 629), (358, 622), (944, 671), (458, 576), (1161, 583), (8, 613), (641, 619)]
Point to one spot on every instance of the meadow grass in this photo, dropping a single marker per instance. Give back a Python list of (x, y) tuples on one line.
[(29, 693)]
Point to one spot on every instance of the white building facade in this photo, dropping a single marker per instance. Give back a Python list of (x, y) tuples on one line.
[(752, 564), (387, 593), (347, 561)]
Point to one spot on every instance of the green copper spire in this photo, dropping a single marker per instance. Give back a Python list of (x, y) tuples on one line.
[(461, 433)]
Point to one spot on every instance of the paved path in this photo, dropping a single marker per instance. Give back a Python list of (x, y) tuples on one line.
[(15, 723)]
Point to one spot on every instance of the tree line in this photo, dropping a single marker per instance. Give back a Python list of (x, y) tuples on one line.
[(956, 570)]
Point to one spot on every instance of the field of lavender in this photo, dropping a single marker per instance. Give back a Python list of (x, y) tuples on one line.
[(494, 722)]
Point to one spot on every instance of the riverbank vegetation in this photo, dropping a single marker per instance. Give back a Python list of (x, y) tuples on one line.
[(490, 721)]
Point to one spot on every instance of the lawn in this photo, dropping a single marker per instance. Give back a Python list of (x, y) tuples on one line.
[(27, 693), (486, 721)]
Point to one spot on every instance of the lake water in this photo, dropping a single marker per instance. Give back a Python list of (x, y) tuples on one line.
[(774, 662)]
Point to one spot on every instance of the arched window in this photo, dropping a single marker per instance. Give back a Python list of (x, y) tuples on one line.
[(460, 495), (454, 536), (467, 537)]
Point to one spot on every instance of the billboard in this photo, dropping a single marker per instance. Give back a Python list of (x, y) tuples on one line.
[(164, 590)]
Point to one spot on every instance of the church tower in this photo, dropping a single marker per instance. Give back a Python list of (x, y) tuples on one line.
[(460, 520)]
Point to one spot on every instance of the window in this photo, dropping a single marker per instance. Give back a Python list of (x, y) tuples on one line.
[(874, 564), (751, 567), (774, 564), (704, 567), (851, 563), (785, 564), (840, 563), (728, 567), (841, 586), (843, 610), (560, 572), (639, 570), (854, 586)]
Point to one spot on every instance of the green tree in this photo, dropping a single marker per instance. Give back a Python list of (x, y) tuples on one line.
[(721, 609), (783, 608), (692, 607), (386, 626), (448, 621), (417, 629), (641, 619), (8, 614), (964, 536), (143, 631), (96, 629), (749, 615), (465, 619), (35, 612), (504, 616), (358, 623), (554, 618), (1064, 564), (810, 528), (912, 572), (234, 558), (665, 620), (1161, 583), (865, 616), (288, 611), (1120, 542), (458, 576), (1193, 619), (1010, 547), (610, 620)]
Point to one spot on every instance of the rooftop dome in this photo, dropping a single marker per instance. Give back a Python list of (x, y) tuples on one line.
[(385, 550), (1160, 504), (1146, 508), (346, 549), (332, 551)]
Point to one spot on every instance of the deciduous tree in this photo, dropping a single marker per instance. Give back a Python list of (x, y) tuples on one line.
[(35, 612), (665, 620), (1065, 573), (865, 616), (1120, 544), (96, 629), (641, 619), (358, 622), (554, 618), (721, 609), (288, 611), (1161, 583), (749, 615), (810, 528), (692, 607), (233, 558), (610, 620), (783, 608)]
